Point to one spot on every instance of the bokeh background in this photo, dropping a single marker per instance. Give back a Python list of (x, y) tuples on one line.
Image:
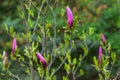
[(102, 16)]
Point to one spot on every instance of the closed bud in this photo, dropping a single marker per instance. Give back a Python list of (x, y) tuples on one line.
[(5, 62), (14, 46), (41, 59), (70, 17), (100, 55), (5, 54), (103, 39)]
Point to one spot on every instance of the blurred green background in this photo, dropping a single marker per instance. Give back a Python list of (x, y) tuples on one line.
[(102, 16)]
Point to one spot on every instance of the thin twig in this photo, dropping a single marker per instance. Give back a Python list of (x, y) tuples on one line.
[(39, 11), (26, 22), (23, 12), (116, 76), (54, 38), (28, 42), (93, 44), (44, 42), (59, 66), (15, 76), (51, 62), (76, 69), (52, 59)]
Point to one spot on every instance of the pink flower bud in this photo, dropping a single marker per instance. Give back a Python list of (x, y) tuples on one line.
[(41, 59), (14, 45), (103, 39), (100, 55), (70, 17)]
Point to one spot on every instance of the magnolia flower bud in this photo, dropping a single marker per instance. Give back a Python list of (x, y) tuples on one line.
[(70, 17), (14, 45), (103, 39), (5, 60), (5, 54), (100, 55), (41, 59)]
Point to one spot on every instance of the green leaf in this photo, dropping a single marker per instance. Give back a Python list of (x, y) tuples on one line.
[(91, 30), (65, 78), (68, 57), (54, 77), (2, 74), (105, 62), (62, 12), (1, 56), (67, 68), (95, 60), (26, 51), (53, 70), (73, 44), (27, 71), (81, 72), (100, 76), (40, 71), (11, 29), (118, 22), (10, 73), (31, 13), (5, 27), (85, 49), (39, 39), (26, 6), (74, 61), (12, 57), (30, 22), (113, 56), (31, 62), (96, 63)]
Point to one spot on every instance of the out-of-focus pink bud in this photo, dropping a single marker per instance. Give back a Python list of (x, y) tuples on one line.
[(14, 45), (5, 60), (100, 55), (41, 59), (70, 17), (103, 39), (5, 54)]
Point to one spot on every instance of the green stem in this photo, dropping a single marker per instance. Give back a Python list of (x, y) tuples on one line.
[(59, 66), (28, 42), (44, 36), (44, 78), (102, 74), (30, 58), (70, 41), (72, 72), (13, 75), (52, 59)]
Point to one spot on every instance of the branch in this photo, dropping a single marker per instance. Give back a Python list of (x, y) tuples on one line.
[(39, 11), (80, 64), (59, 66), (53, 40), (15, 76)]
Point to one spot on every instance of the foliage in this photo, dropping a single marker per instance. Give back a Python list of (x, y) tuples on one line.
[(41, 26)]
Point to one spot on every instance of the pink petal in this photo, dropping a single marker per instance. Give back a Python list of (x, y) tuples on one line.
[(14, 45), (41, 59), (100, 55), (103, 38), (69, 16)]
